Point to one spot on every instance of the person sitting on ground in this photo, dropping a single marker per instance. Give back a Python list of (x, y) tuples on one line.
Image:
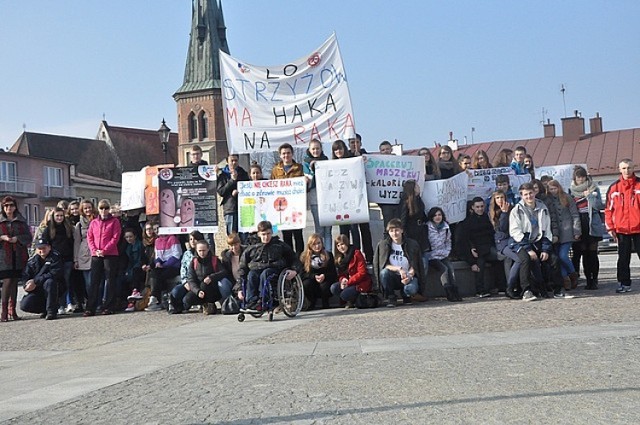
[(504, 184), (530, 229), (353, 277), (439, 237), (499, 209), (262, 263), (319, 272), (42, 276), (166, 266), (205, 271), (230, 258), (397, 264), (482, 249)]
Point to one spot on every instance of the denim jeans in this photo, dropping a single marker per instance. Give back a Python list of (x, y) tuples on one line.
[(347, 294), (445, 268), (255, 282), (231, 223), (562, 250), (64, 290), (511, 266), (390, 281), (225, 286)]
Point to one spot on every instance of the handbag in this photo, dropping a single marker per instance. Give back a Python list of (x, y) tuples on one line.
[(231, 305), (367, 300)]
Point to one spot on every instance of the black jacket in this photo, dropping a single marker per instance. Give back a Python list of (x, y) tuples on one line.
[(200, 268), (480, 234), (276, 254), (41, 269), (225, 187)]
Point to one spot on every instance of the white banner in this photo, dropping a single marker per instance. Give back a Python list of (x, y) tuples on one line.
[(283, 202), (449, 194), (387, 173), (482, 182), (563, 173), (265, 107), (133, 184), (342, 192)]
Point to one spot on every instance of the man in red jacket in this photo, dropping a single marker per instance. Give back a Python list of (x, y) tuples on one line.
[(622, 216)]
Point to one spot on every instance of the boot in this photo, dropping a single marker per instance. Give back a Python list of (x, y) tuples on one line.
[(449, 292), (567, 283), (13, 315), (573, 277), (5, 303), (456, 294)]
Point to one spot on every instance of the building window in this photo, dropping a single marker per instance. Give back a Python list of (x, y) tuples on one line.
[(52, 177), (7, 171), (27, 213), (204, 126), (193, 126), (36, 214)]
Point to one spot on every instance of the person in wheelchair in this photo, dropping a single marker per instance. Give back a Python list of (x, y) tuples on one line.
[(262, 263)]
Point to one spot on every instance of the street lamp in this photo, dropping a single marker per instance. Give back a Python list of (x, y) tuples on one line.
[(164, 133)]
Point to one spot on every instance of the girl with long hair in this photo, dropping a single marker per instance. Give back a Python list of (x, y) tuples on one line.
[(413, 216), (499, 209), (313, 155), (588, 200), (479, 160), (59, 233), (447, 163), (431, 169), (504, 158), (440, 242), (567, 231), (353, 277), (319, 271)]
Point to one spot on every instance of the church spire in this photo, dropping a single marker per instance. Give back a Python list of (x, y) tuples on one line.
[(208, 35)]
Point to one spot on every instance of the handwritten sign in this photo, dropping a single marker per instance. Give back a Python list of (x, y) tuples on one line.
[(385, 175), (283, 202), (449, 194), (342, 192), (306, 99), (563, 173), (132, 195)]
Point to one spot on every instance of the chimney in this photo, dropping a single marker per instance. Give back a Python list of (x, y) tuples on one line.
[(572, 127), (595, 124), (549, 129)]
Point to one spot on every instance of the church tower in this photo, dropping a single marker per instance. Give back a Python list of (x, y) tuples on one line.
[(199, 99)]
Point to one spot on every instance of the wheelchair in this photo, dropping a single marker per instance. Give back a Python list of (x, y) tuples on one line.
[(288, 294)]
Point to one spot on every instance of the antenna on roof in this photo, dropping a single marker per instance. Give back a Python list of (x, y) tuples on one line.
[(104, 116), (24, 126), (564, 103), (544, 115)]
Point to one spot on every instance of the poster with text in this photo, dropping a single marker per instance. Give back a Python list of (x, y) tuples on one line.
[(386, 174), (563, 173), (188, 200), (449, 194), (151, 192), (305, 99), (283, 202), (482, 182), (132, 196), (342, 192)]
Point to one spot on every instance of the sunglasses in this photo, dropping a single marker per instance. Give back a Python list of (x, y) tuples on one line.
[(9, 205), (104, 208)]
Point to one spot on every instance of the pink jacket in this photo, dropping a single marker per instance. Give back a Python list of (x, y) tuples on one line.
[(103, 234)]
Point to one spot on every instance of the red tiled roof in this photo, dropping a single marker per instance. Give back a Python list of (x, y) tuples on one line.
[(138, 148)]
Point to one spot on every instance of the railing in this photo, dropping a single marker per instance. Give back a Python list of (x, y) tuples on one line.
[(18, 186), (58, 192)]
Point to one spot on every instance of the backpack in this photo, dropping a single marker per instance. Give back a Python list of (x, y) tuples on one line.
[(231, 305), (367, 300)]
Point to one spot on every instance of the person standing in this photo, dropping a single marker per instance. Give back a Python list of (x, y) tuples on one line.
[(622, 217), (285, 169), (15, 237), (227, 187), (313, 155), (196, 156)]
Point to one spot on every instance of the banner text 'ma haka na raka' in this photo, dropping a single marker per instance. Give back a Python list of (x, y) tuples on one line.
[(306, 99)]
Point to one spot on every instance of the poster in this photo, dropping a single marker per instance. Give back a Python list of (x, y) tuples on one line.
[(342, 192), (188, 200), (385, 175), (449, 194), (132, 195), (563, 173), (305, 99), (283, 202), (151, 192)]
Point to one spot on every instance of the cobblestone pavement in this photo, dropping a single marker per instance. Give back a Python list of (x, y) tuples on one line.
[(480, 361)]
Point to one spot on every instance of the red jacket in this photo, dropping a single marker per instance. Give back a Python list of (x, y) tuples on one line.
[(357, 273), (622, 211), (104, 234)]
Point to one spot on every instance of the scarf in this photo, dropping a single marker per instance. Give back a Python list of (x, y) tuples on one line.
[(343, 266), (445, 165), (577, 190)]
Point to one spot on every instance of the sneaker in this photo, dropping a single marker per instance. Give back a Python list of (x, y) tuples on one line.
[(623, 288), (70, 308), (392, 302), (528, 296), (130, 307), (562, 296), (419, 298), (349, 305), (79, 309), (135, 296), (154, 305), (510, 293), (51, 316), (483, 294), (250, 308), (62, 311), (406, 301), (43, 315), (627, 288)]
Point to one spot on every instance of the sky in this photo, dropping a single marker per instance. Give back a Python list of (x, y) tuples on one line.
[(417, 69)]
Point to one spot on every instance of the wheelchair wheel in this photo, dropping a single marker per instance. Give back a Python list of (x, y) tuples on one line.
[(240, 317), (290, 294)]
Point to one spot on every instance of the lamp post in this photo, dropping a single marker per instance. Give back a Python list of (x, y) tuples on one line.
[(164, 132)]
